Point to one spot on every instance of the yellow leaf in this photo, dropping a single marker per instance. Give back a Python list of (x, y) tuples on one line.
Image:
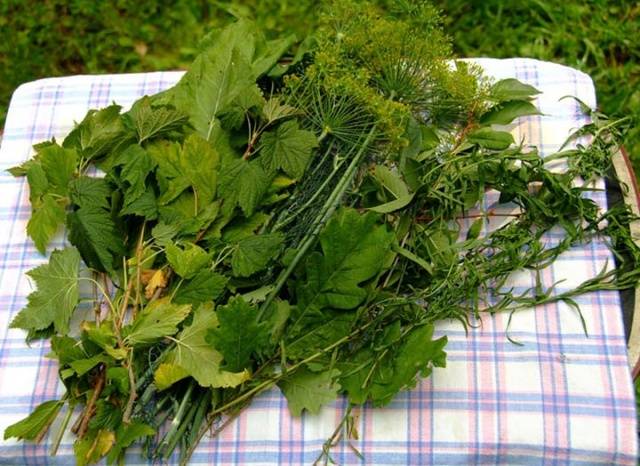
[(157, 280)]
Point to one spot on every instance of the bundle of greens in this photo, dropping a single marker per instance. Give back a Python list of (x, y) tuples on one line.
[(289, 214)]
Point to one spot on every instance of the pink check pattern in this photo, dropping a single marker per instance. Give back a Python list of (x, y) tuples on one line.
[(561, 398)]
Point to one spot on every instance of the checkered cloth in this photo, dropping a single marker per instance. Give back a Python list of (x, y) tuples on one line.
[(560, 398)]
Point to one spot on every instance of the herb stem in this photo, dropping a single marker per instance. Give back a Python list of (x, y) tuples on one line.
[(325, 213), (177, 419), (63, 427)]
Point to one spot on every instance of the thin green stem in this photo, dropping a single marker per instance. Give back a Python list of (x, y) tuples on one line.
[(325, 213)]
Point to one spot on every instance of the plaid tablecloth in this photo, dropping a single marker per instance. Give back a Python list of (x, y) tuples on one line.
[(560, 398)]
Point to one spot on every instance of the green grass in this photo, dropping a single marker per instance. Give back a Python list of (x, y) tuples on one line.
[(599, 37), (62, 37)]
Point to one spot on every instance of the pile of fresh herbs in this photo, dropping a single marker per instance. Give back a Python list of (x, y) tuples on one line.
[(290, 214)]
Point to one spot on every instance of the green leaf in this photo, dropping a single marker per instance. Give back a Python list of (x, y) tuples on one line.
[(243, 183), (239, 334), (276, 318), (490, 139), (313, 329), (167, 374), (288, 148), (98, 133), (393, 187), (126, 435), (273, 110), (306, 390), (506, 112), (119, 378), (243, 227), (153, 121), (205, 286), (159, 319), (135, 165), (196, 357), (40, 419), (87, 191), (353, 250), (252, 254), (394, 205), (512, 89), (180, 214), (269, 52), (57, 295), (163, 233), (66, 349), (188, 261), (45, 222), (103, 336), (48, 174), (93, 446), (378, 377), (414, 258), (92, 229), (95, 234), (38, 182), (59, 165), (220, 74), (82, 366), (194, 165)]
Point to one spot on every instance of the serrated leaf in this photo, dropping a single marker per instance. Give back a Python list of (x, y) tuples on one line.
[(30, 427), (512, 89), (98, 133), (197, 357), (45, 222), (180, 213), (242, 228), (87, 191), (415, 354), (288, 148), (306, 390), (159, 319), (59, 165), (491, 139), (273, 110), (153, 121), (95, 234), (313, 329), (188, 261), (205, 286), (163, 233), (126, 435), (353, 249), (38, 182), (57, 295), (243, 183), (506, 112), (239, 334), (216, 78), (253, 254), (194, 165)]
